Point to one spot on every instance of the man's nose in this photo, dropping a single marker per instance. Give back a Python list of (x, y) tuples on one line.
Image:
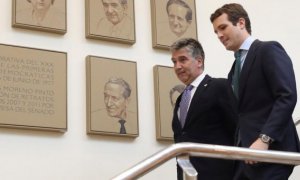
[(176, 21), (219, 34), (110, 9), (109, 101), (177, 65)]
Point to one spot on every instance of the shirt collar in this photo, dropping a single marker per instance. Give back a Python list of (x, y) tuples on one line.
[(247, 43), (198, 80)]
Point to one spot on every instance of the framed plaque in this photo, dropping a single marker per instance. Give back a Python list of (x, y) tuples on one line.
[(33, 88), (166, 89), (171, 21), (111, 20), (111, 97), (46, 15)]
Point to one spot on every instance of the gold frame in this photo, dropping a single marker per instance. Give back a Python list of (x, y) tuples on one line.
[(33, 88), (162, 35), (165, 98), (54, 22), (103, 115), (95, 18)]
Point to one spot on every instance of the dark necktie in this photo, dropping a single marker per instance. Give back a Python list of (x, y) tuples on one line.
[(236, 73), (122, 128), (184, 103)]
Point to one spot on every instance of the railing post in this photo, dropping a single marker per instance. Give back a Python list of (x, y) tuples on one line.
[(189, 172)]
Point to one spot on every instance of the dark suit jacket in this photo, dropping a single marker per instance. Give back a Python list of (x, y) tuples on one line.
[(267, 97), (211, 119)]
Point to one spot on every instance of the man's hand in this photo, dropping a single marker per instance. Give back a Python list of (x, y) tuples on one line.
[(259, 145)]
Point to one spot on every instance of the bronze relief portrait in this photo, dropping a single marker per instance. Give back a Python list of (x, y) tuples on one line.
[(110, 20), (172, 20), (43, 15), (111, 97)]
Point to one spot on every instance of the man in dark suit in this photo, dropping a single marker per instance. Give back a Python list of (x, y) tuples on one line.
[(264, 83), (211, 115)]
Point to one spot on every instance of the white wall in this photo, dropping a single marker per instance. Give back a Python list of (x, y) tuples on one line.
[(26, 154)]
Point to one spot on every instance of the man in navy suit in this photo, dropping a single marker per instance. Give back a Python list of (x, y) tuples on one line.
[(212, 111), (264, 82)]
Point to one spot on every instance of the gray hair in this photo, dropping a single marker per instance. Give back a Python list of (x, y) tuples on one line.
[(121, 82), (191, 45)]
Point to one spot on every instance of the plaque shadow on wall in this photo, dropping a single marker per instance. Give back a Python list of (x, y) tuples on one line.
[(112, 103), (171, 21), (49, 15), (166, 90), (33, 89), (111, 21)]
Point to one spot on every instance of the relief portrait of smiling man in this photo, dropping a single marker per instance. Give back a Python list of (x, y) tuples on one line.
[(112, 97), (173, 20), (116, 115), (111, 20)]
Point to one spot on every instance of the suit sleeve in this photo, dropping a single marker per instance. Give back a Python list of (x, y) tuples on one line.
[(278, 69)]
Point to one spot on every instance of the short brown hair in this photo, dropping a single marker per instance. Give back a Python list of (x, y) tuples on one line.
[(235, 12)]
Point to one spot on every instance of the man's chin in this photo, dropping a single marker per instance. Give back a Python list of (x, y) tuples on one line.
[(183, 80), (228, 47), (178, 33), (113, 21), (41, 8), (111, 114)]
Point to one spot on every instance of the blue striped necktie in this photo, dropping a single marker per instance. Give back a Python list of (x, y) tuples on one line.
[(184, 103)]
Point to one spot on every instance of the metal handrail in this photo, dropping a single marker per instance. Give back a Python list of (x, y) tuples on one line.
[(208, 150)]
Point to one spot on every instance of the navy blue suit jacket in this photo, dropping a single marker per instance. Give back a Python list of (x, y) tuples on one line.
[(211, 119), (267, 97)]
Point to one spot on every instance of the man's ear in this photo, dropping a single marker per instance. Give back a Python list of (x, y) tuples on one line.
[(199, 60), (241, 22)]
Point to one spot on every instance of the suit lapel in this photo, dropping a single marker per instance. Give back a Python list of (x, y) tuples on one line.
[(245, 73), (202, 86), (231, 73), (175, 113)]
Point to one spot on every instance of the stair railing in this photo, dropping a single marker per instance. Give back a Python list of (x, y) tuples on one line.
[(183, 150)]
